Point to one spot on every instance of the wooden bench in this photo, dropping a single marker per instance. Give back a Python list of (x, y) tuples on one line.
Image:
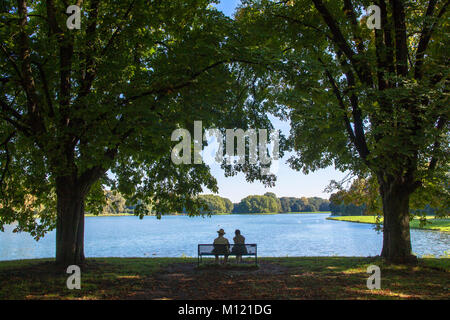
[(227, 250)]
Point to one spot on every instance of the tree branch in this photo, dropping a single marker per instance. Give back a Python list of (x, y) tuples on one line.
[(34, 116), (46, 88), (425, 36), (338, 95), (51, 18), (433, 163), (361, 67), (304, 24), (12, 62), (8, 159), (181, 85), (401, 48), (89, 69), (351, 15)]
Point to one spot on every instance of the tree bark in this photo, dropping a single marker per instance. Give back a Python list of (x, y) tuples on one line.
[(396, 231), (70, 223)]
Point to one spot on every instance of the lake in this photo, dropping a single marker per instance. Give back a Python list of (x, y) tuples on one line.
[(175, 236)]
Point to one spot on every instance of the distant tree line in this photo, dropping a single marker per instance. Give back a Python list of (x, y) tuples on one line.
[(267, 203), (270, 203), (358, 200), (291, 204), (339, 207), (214, 204)]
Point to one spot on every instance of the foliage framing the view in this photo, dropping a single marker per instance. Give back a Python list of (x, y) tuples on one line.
[(77, 105), (374, 102)]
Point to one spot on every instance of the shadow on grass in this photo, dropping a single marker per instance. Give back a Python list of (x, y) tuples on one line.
[(224, 267), (180, 278)]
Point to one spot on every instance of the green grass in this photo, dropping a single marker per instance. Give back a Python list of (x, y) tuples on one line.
[(179, 278), (432, 223)]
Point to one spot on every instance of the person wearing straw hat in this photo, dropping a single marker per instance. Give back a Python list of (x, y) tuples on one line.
[(221, 246)]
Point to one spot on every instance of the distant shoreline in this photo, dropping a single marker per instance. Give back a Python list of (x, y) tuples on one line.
[(215, 214)]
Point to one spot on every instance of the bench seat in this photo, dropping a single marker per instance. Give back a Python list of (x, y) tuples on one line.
[(248, 249)]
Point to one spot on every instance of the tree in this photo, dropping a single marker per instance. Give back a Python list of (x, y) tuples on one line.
[(77, 104), (291, 204), (430, 199), (258, 204), (369, 101), (215, 204), (339, 206), (285, 203), (324, 206), (362, 197), (115, 203), (318, 204), (271, 194), (228, 205)]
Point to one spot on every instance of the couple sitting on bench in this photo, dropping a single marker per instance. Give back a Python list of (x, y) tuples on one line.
[(222, 246)]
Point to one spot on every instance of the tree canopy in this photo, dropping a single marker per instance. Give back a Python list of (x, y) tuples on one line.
[(82, 109), (372, 102), (258, 204), (215, 204), (314, 204), (363, 197)]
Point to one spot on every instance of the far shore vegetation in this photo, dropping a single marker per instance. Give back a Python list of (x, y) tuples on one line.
[(213, 214), (269, 203)]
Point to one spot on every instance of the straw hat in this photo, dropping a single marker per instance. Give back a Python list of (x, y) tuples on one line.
[(221, 231)]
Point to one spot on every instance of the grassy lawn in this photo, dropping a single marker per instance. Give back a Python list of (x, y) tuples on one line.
[(432, 224), (179, 278)]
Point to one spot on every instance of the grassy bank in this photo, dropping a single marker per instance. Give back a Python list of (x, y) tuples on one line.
[(432, 224), (179, 278)]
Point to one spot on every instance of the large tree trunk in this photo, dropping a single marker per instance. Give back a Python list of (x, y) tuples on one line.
[(396, 235), (70, 223)]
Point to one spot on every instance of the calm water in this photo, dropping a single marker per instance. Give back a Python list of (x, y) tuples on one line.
[(174, 236)]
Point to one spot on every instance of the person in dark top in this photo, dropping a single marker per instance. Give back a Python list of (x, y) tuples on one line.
[(239, 246)]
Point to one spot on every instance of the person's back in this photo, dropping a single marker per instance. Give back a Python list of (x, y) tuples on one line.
[(221, 240), (239, 246), (221, 246), (239, 239)]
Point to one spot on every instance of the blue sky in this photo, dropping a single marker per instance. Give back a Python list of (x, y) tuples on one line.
[(289, 182), (227, 6)]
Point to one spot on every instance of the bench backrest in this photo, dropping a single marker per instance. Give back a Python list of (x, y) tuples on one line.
[(242, 249)]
